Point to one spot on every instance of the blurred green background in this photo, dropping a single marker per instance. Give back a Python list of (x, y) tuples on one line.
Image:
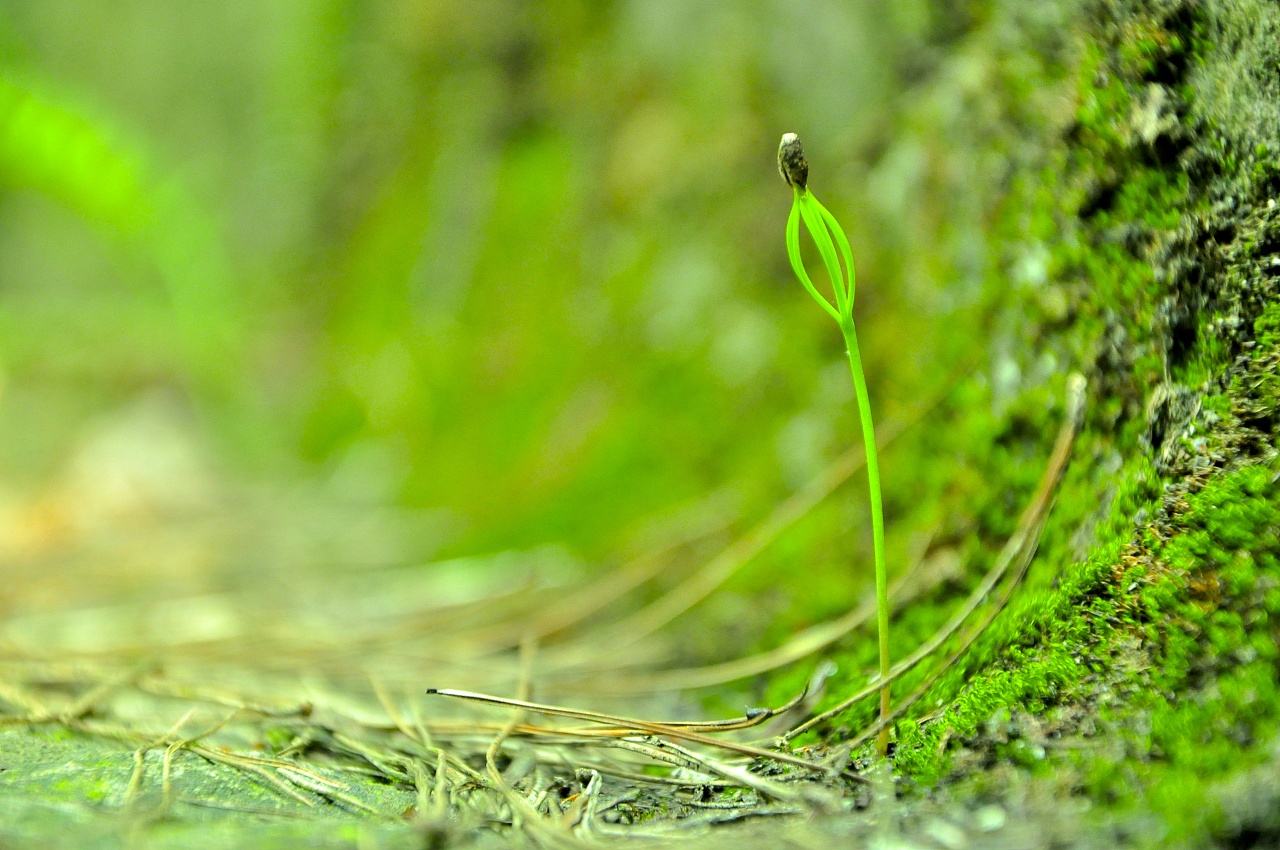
[(516, 268)]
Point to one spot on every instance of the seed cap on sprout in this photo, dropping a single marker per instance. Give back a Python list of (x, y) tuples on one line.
[(792, 165)]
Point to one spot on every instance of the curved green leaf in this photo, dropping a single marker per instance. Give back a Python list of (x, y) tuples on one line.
[(817, 228), (797, 264), (845, 250)]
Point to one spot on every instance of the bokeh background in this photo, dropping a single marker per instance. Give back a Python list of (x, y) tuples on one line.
[(401, 282)]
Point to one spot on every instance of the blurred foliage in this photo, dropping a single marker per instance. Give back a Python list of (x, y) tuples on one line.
[(518, 264)]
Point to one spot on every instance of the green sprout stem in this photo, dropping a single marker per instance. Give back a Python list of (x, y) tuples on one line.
[(877, 522), (833, 247)]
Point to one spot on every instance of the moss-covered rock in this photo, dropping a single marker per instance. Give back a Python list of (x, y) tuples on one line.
[(1134, 239)]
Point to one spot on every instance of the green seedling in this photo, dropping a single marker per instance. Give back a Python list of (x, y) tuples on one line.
[(837, 256)]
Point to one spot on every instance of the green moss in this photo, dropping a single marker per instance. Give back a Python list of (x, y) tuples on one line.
[(920, 749), (1205, 706), (86, 786), (53, 733), (1266, 328), (1213, 707), (1261, 381)]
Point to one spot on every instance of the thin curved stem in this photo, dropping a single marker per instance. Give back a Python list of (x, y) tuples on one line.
[(877, 522)]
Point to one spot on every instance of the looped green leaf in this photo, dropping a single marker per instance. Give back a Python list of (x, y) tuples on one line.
[(797, 264), (828, 237), (846, 251)]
